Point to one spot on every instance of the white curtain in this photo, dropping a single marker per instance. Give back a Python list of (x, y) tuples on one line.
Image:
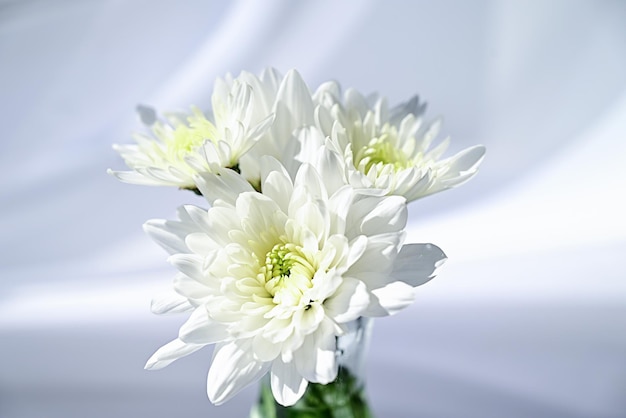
[(526, 320)]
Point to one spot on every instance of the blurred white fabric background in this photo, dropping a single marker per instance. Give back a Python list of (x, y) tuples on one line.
[(528, 317)]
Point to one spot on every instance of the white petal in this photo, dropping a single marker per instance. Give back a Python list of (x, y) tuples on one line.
[(329, 91), (222, 218), (323, 119), (280, 132), (225, 184), (431, 130), (390, 299), (309, 178), (200, 243), (348, 302), (316, 219), (199, 216), (416, 263), (255, 132), (339, 205), (295, 94), (354, 100), (438, 151), (372, 215), (388, 215), (265, 350), (233, 368), (378, 256), (275, 182), (133, 177), (311, 139), (381, 110), (288, 385), (169, 234), (411, 107), (201, 329), (271, 78), (170, 302), (331, 169), (169, 353), (307, 320), (335, 253), (147, 114), (190, 288), (467, 160), (316, 358), (189, 264), (259, 214), (357, 248)]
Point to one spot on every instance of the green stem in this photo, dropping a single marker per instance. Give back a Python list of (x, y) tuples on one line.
[(342, 398)]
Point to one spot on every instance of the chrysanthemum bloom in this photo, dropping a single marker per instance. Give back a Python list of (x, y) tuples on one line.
[(273, 278), (186, 146), (389, 149)]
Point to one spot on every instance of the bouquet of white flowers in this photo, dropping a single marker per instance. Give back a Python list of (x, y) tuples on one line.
[(303, 238)]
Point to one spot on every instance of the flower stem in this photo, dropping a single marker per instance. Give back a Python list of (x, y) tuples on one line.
[(342, 398)]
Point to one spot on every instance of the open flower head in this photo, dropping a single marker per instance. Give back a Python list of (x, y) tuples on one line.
[(390, 149), (273, 278), (185, 145)]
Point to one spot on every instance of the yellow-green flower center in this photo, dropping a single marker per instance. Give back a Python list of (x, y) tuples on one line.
[(287, 272), (381, 151), (186, 138)]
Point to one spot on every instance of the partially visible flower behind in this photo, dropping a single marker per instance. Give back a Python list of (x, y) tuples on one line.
[(389, 149), (293, 107), (186, 145), (273, 278)]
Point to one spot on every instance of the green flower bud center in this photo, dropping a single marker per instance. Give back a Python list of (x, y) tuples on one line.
[(186, 138), (381, 151), (287, 269)]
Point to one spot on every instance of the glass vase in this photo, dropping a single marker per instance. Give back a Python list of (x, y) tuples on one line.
[(344, 397)]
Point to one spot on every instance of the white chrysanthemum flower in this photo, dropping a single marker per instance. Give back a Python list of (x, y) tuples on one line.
[(389, 149), (273, 278), (186, 146)]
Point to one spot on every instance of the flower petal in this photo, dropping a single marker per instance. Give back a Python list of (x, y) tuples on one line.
[(310, 139), (275, 182), (348, 302), (416, 263), (188, 264), (390, 299), (169, 234), (378, 256), (225, 184), (169, 353), (190, 288), (295, 94), (412, 106), (309, 177), (467, 160), (170, 302), (288, 385), (265, 350), (371, 215), (331, 168), (315, 359), (233, 368), (388, 215), (201, 329), (133, 178)]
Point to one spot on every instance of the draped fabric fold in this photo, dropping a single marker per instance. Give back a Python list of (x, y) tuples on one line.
[(525, 319)]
